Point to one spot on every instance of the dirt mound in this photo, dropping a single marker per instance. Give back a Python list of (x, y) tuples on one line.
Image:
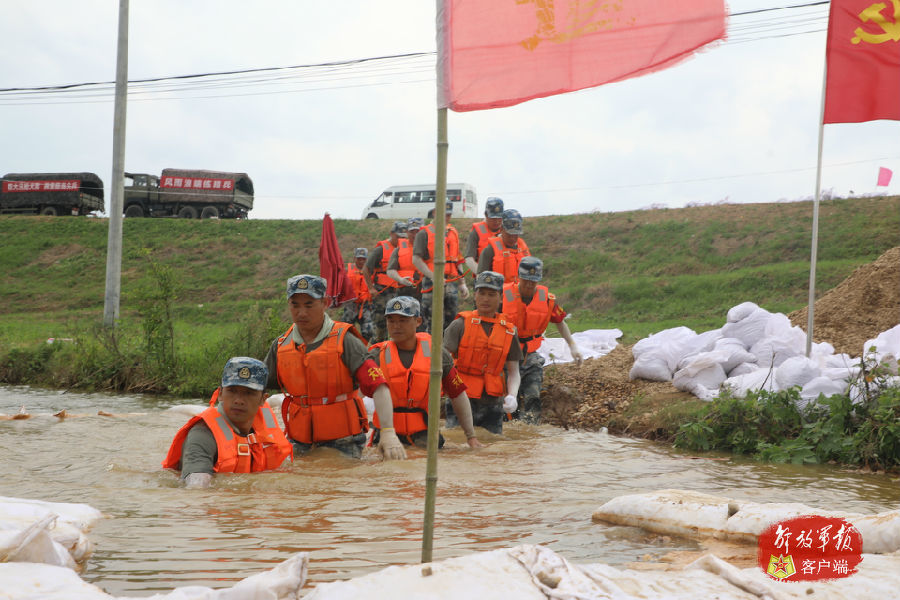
[(859, 308), (599, 393)]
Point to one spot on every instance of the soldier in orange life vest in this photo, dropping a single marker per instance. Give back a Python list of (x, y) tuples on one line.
[(482, 231), (360, 311), (240, 435), (382, 287), (483, 342), (423, 260), (503, 252), (321, 366), (400, 267), (532, 307), (405, 360)]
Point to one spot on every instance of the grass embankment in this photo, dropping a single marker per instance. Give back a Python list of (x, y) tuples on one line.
[(194, 292)]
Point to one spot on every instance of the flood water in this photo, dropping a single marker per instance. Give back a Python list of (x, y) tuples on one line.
[(534, 485)]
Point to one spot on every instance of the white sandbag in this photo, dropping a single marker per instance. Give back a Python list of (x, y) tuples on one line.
[(746, 323), (822, 385), (744, 368), (592, 343), (651, 367), (33, 544), (760, 379), (698, 515), (733, 353), (30, 581), (67, 529), (887, 348), (275, 401), (704, 370), (188, 410), (796, 371), (657, 356), (780, 341), (842, 360)]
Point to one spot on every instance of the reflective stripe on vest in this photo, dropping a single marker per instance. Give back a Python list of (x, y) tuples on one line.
[(506, 260), (481, 358)]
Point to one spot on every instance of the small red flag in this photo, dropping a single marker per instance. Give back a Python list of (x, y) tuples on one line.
[(493, 54), (331, 266), (884, 176), (863, 61)]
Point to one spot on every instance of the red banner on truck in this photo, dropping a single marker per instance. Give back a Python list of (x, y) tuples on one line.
[(62, 185), (197, 183)]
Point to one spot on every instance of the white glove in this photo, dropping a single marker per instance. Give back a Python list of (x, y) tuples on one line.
[(510, 404), (463, 289), (406, 282), (389, 445), (576, 355)]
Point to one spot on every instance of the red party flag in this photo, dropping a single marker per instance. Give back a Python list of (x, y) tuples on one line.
[(884, 176), (863, 61), (331, 265), (494, 53)]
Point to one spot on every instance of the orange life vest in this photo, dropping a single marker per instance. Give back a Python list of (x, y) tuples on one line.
[(404, 262), (531, 319), (359, 283), (262, 450), (480, 358), (409, 387), (380, 276), (484, 235), (451, 251), (321, 402), (506, 260)]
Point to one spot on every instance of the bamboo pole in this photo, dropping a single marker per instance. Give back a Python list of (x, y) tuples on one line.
[(437, 337), (814, 244)]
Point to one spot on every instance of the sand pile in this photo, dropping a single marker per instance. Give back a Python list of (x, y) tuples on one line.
[(861, 307)]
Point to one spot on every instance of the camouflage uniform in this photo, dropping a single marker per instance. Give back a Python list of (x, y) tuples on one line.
[(531, 371), (363, 316), (451, 304)]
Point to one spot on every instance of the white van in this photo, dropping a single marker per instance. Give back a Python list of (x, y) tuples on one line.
[(400, 202)]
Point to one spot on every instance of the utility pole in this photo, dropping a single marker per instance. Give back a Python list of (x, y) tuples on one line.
[(117, 190)]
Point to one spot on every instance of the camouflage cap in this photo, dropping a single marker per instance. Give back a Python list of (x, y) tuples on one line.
[(398, 227), (403, 305), (531, 269), (306, 284), (489, 279), (245, 371), (415, 223), (360, 253), (512, 221), (493, 208)]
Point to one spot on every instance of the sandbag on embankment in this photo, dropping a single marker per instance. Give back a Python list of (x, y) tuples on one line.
[(693, 514), (27, 581), (53, 533), (527, 571)]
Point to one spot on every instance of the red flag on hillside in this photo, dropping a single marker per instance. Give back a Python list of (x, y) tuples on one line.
[(493, 54), (863, 62), (884, 176), (331, 265)]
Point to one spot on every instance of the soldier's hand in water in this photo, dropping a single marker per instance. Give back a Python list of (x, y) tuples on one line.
[(510, 404), (389, 445), (474, 443)]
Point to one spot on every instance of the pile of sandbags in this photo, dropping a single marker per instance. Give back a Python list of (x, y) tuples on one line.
[(754, 350), (592, 343), (52, 533)]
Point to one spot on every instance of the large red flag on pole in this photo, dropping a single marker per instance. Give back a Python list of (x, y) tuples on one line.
[(331, 266), (863, 61), (493, 54)]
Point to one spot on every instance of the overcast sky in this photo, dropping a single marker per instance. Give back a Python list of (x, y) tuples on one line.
[(736, 123)]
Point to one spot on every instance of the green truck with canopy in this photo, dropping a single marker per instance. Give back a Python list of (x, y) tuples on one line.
[(188, 194), (51, 193)]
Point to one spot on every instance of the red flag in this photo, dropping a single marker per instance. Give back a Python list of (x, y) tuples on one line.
[(863, 61), (331, 265), (884, 176), (493, 54)]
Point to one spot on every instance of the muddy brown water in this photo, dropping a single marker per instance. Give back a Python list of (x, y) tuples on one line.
[(534, 485)]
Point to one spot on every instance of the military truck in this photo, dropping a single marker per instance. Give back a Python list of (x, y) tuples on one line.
[(188, 194), (51, 193)]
